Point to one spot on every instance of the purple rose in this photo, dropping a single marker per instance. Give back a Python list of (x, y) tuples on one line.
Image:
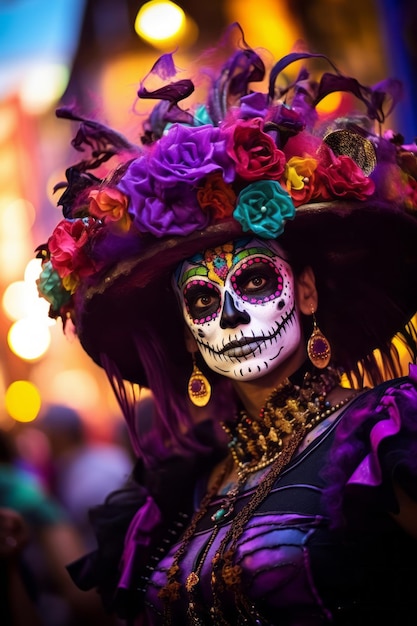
[(158, 209), (254, 104), (188, 154)]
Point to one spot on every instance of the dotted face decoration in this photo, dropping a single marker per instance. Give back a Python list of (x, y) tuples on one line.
[(238, 276), (238, 301), (201, 289)]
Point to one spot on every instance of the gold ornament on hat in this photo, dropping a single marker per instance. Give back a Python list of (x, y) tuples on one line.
[(199, 388), (348, 143), (318, 347)]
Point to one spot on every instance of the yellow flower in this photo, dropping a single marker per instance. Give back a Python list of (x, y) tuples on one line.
[(297, 169), (70, 283)]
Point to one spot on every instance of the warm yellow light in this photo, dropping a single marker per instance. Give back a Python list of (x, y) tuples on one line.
[(268, 24), (16, 218), (28, 339), (23, 401), (329, 104), (76, 387), (8, 123), (43, 86), (32, 271), (16, 303), (159, 20), (21, 298)]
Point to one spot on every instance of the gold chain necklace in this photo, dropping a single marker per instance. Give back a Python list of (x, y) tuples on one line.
[(291, 410), (256, 443)]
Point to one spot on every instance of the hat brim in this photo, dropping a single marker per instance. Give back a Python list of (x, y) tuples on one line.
[(378, 239)]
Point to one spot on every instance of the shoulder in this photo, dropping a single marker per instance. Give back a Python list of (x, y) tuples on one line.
[(375, 447), (394, 401)]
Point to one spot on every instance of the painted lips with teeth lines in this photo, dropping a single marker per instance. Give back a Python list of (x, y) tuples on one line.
[(245, 346)]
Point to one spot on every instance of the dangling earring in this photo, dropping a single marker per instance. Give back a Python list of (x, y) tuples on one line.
[(318, 347), (199, 388)]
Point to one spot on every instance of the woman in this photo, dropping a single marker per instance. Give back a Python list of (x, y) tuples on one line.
[(244, 262)]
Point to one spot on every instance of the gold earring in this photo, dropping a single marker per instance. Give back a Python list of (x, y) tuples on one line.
[(318, 347), (199, 388)]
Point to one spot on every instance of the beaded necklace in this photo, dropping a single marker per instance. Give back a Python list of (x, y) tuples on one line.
[(288, 414)]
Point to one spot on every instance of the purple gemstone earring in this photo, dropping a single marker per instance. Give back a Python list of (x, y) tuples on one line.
[(199, 388), (318, 347)]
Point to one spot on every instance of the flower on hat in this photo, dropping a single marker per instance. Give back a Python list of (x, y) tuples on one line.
[(110, 205), (263, 207), (342, 178), (299, 174), (216, 197), (254, 152), (50, 287), (159, 210), (68, 249), (187, 154), (162, 185)]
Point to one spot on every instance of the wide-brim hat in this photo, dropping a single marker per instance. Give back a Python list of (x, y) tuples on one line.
[(364, 256), (337, 196)]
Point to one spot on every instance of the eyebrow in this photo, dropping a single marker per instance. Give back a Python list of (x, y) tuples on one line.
[(197, 270), (252, 251)]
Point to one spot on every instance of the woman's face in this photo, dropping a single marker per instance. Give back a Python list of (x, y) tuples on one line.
[(238, 300)]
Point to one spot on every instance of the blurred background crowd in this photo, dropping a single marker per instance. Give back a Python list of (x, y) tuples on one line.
[(63, 445)]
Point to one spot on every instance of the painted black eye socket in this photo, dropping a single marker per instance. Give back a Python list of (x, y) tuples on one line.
[(201, 300), (257, 280)]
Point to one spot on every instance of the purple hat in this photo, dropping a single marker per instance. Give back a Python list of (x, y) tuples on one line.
[(341, 197)]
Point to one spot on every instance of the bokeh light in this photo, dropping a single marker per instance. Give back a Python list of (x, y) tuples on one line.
[(23, 401), (159, 20), (21, 298), (28, 339), (16, 303), (330, 104), (75, 387), (43, 86)]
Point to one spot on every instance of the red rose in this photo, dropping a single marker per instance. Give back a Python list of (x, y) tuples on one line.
[(254, 152), (340, 177), (67, 247)]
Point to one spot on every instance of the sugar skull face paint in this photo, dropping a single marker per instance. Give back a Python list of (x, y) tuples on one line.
[(238, 301)]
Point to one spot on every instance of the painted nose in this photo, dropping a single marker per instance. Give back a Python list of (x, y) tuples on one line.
[(231, 317)]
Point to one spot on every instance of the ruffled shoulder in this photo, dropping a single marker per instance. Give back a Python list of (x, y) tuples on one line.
[(374, 445), (123, 526)]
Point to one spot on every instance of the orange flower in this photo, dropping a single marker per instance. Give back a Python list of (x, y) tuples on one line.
[(216, 196), (110, 205)]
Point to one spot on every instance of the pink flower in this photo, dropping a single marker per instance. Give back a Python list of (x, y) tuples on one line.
[(110, 205), (67, 248), (340, 177), (345, 179), (254, 152)]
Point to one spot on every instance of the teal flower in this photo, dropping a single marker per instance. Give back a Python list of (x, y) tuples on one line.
[(202, 116), (263, 207), (50, 287)]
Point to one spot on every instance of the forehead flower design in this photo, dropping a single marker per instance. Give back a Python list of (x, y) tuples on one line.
[(219, 262)]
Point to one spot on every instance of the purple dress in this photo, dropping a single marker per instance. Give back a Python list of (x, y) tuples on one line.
[(322, 548)]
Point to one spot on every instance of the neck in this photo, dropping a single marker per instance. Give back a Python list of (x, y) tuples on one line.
[(253, 393)]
